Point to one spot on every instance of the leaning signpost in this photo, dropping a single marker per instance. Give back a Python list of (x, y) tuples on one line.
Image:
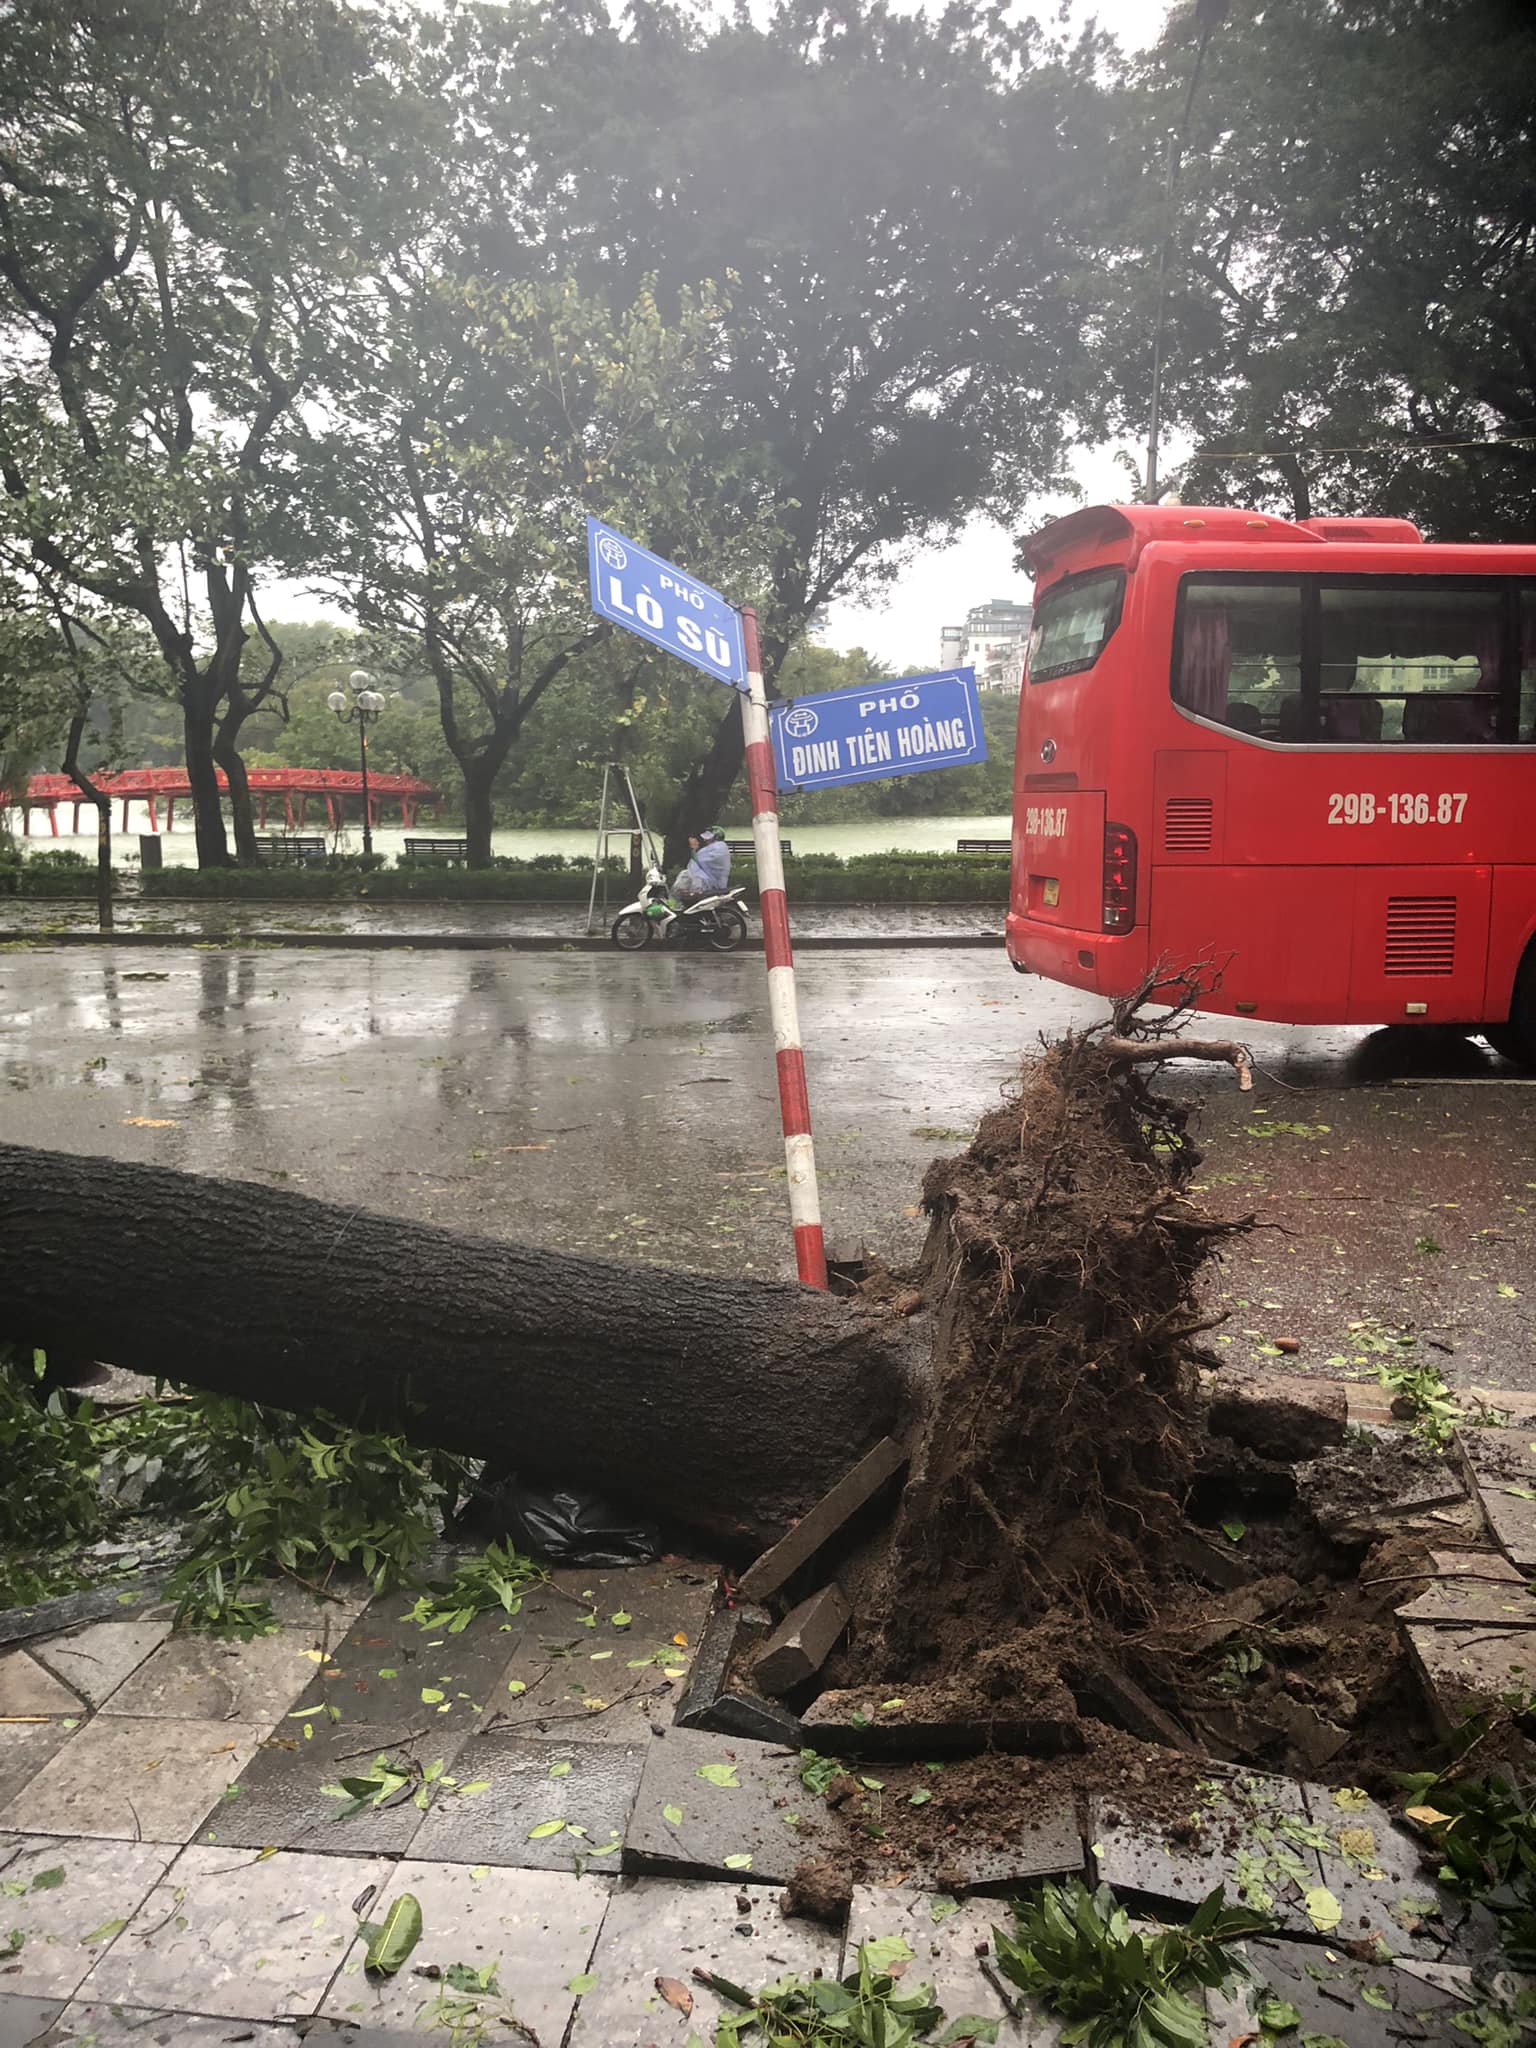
[(653, 598), (897, 728)]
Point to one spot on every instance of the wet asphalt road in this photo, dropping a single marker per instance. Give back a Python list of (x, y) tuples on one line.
[(618, 1105)]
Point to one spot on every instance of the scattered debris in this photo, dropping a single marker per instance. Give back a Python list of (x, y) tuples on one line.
[(802, 1642), (827, 1519), (818, 1889)]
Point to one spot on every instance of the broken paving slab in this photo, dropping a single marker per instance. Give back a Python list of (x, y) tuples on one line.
[(730, 1822), (605, 1682), (258, 1938), (537, 1929), (1451, 1603), (99, 1658), (1250, 1833), (28, 1690), (1387, 1893), (68, 1922), (888, 1722), (530, 1785), (949, 1938), (280, 1798), (706, 1680), (660, 1927), (207, 1678), (1502, 1469), (134, 1780), (831, 1514), (1463, 1671), (1366, 2005), (802, 1642)]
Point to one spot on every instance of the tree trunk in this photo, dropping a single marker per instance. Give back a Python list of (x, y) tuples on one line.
[(103, 804), (226, 751), (207, 807), (478, 778), (709, 782), (729, 1405)]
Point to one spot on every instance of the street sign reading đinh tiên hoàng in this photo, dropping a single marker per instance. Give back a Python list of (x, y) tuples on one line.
[(652, 597), (885, 729)]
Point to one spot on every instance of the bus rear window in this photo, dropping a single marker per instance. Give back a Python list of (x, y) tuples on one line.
[(1073, 623)]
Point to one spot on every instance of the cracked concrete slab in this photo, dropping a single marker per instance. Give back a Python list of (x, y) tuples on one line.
[(687, 1823), (106, 2026), (24, 1751), (948, 1938), (387, 1668)]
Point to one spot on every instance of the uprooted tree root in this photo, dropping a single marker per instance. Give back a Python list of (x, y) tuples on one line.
[(1061, 1263)]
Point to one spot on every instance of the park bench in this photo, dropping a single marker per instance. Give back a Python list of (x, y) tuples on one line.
[(447, 850), (291, 846), (984, 846), (747, 846)]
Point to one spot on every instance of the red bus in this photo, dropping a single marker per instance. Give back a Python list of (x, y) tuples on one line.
[(1304, 752)]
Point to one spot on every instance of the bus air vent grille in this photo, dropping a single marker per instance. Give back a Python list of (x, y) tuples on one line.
[(1187, 824), (1421, 935)]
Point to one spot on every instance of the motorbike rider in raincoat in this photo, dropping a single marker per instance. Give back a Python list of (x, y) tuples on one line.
[(708, 872)]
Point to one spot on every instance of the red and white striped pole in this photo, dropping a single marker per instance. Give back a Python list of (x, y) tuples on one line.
[(783, 1009)]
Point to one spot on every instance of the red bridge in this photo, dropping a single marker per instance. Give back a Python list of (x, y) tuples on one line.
[(151, 786)]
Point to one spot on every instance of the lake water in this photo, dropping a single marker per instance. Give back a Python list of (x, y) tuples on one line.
[(866, 835)]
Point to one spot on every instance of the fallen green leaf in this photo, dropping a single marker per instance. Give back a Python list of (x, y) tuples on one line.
[(738, 1862), (723, 1775), (545, 1829), (580, 1986), (392, 1943), (1323, 1909), (49, 1880)]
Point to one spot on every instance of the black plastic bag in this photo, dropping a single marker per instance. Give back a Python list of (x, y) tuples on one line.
[(557, 1523)]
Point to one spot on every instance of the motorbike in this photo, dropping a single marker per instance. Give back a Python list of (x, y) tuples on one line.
[(717, 921)]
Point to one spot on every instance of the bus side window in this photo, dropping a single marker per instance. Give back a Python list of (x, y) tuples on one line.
[(1527, 723), (1238, 658), (1409, 660)]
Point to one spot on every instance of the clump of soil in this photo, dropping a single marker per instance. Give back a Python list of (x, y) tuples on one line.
[(818, 1889), (1062, 1259)]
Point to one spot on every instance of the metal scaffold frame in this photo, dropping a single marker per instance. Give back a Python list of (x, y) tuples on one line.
[(615, 772)]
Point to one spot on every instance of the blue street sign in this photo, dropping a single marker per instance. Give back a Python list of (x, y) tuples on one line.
[(866, 734), (647, 595)]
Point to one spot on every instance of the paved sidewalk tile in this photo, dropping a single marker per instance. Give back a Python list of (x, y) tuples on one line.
[(685, 1824), (135, 1780), (945, 1936), (204, 1678), (254, 1938), (386, 1663), (537, 1928), (281, 1798), (663, 1927), (96, 1660), (529, 1784), (24, 1751), (67, 1922), (27, 1688), (25, 2021), (127, 2026)]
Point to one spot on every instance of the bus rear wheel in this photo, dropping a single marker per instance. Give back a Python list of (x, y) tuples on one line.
[(1516, 1040)]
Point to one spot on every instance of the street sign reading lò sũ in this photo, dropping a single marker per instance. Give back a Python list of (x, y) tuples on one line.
[(652, 597)]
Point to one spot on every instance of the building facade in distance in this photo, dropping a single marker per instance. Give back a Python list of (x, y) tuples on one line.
[(992, 641)]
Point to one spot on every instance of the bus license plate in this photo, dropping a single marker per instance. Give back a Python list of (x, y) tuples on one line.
[(1050, 895)]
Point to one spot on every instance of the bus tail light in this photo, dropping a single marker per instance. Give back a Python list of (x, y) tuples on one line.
[(1119, 878)]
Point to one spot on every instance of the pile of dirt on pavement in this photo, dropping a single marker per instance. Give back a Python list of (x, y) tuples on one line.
[(1061, 1263)]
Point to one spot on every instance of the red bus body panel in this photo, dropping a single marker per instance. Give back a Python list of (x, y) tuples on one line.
[(1244, 861)]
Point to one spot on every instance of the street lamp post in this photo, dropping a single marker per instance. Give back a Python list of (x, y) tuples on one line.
[(361, 708)]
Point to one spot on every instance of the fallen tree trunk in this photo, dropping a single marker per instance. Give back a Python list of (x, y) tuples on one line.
[(729, 1404)]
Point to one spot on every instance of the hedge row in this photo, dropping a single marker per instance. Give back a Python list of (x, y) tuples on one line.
[(813, 878)]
